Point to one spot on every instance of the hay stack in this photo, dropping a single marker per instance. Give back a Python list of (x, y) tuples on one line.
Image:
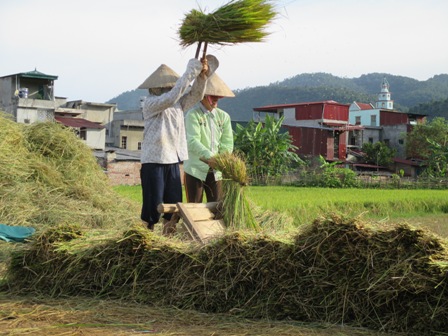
[(49, 177), (337, 270)]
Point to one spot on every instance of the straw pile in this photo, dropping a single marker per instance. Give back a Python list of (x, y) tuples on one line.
[(236, 208), (49, 177), (336, 270)]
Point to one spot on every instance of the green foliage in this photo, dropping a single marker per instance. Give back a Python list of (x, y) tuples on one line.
[(437, 162), (432, 109), (336, 177), (268, 152), (378, 153), (435, 131), (327, 175)]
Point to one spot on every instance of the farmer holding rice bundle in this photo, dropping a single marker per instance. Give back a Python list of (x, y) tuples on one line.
[(164, 143), (209, 132)]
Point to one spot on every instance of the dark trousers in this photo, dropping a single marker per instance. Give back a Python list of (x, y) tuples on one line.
[(160, 184), (195, 188)]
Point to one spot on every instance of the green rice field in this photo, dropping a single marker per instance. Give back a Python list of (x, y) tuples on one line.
[(421, 207)]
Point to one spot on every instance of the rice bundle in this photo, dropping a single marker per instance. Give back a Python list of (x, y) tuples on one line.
[(238, 21), (236, 208)]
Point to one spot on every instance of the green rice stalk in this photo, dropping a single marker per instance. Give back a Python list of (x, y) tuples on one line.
[(238, 21), (237, 211)]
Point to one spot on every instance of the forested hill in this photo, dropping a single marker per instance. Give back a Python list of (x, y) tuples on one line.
[(433, 109), (309, 87)]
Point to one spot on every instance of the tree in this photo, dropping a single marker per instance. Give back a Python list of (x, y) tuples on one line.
[(268, 151), (435, 131), (332, 176), (437, 162), (378, 153)]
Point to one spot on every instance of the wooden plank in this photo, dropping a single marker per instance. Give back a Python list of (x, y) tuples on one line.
[(209, 229), (188, 221), (167, 208), (200, 214), (171, 208), (201, 230)]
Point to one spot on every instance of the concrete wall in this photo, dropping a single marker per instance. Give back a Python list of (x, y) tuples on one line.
[(133, 135), (374, 133), (393, 134), (126, 172), (123, 172), (366, 117), (7, 95), (95, 138), (129, 124)]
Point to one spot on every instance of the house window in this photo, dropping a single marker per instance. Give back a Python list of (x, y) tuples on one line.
[(124, 142), (139, 146), (358, 120), (352, 141), (387, 142), (83, 134), (401, 141), (370, 140), (373, 120)]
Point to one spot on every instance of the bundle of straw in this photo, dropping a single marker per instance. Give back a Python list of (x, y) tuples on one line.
[(236, 208), (238, 21)]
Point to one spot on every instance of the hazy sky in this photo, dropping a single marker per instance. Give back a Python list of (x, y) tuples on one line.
[(100, 49)]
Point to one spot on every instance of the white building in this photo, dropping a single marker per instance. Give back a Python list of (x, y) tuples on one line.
[(382, 122), (29, 97)]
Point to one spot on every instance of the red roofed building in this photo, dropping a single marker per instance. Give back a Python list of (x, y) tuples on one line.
[(317, 128)]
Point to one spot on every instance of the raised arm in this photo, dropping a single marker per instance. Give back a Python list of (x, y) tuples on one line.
[(156, 104), (198, 88)]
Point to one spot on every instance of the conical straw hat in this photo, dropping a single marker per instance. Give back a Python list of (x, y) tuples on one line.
[(163, 77), (217, 87)]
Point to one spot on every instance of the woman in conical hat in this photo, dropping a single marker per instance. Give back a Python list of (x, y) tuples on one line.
[(164, 144), (209, 132), (162, 77)]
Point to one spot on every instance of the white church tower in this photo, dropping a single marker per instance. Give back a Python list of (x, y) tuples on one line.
[(384, 101)]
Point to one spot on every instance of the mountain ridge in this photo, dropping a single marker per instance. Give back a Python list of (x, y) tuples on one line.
[(407, 93)]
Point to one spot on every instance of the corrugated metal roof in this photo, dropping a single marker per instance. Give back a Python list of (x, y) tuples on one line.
[(274, 108), (78, 122), (410, 162), (36, 74), (122, 154)]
